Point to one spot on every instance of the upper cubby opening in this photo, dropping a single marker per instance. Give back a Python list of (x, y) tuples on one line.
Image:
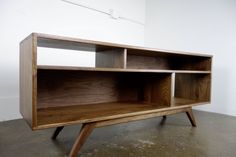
[(110, 55), (71, 45), (140, 59), (53, 51)]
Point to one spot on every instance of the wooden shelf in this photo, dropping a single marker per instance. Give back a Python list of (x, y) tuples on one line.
[(91, 112), (50, 67), (60, 116), (182, 102)]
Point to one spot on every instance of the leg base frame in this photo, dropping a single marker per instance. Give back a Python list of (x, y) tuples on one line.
[(87, 128)]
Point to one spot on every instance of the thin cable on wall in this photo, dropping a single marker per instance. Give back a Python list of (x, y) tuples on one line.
[(112, 13)]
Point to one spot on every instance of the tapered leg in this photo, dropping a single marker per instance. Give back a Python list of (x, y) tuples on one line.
[(190, 115), (56, 132), (85, 131)]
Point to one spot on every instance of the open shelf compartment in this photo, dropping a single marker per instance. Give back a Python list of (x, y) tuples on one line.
[(65, 95), (139, 59), (192, 89), (105, 56)]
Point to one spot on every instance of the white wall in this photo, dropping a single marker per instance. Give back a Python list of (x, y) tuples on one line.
[(19, 18), (199, 26)]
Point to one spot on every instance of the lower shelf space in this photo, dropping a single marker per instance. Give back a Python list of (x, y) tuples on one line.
[(185, 102), (59, 116)]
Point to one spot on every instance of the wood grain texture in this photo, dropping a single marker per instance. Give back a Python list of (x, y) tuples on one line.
[(67, 115), (66, 88), (28, 82), (193, 86), (148, 62), (157, 90), (167, 62), (91, 112), (113, 58)]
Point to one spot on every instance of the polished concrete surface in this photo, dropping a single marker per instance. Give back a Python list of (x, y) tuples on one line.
[(215, 136)]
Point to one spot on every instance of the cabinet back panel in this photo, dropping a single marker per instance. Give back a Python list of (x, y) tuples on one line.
[(147, 62), (191, 63), (168, 62)]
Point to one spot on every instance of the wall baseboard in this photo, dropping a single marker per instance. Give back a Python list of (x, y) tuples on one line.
[(210, 108), (9, 108)]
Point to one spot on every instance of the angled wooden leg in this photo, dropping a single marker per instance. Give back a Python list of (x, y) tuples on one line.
[(85, 131), (56, 132), (190, 115)]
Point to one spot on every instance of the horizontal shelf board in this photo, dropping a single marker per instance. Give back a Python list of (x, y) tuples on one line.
[(192, 71), (60, 39), (60, 116), (49, 67), (182, 102)]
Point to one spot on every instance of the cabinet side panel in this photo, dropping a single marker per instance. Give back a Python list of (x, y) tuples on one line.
[(115, 58), (27, 48)]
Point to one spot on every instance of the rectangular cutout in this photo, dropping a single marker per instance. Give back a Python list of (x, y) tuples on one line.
[(195, 87), (125, 92), (65, 57), (77, 54), (137, 59), (62, 88)]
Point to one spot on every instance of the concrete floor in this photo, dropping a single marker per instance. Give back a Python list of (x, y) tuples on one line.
[(215, 136)]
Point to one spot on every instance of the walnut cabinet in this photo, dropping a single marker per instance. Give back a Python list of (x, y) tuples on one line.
[(128, 83)]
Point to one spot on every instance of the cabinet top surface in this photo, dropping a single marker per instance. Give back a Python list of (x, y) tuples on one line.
[(54, 38)]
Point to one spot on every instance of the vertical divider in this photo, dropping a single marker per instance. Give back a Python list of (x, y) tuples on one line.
[(111, 58), (172, 88), (125, 58)]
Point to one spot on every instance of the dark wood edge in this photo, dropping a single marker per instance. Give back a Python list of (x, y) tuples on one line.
[(191, 118), (57, 37), (56, 132), (34, 79)]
